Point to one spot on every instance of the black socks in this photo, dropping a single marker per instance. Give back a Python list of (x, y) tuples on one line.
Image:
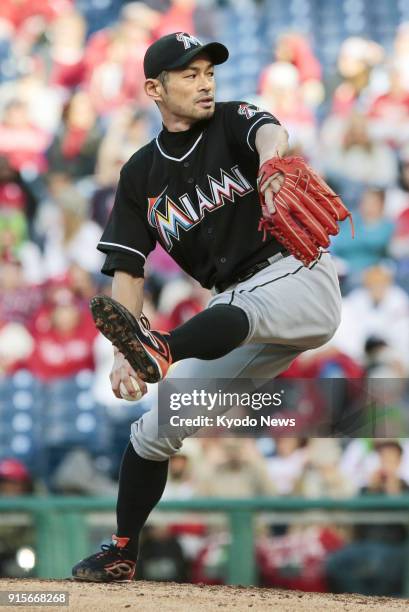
[(210, 334), (141, 484)]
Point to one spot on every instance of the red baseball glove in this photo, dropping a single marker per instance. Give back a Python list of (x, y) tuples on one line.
[(304, 212)]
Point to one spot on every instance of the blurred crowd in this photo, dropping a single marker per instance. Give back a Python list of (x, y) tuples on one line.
[(72, 111)]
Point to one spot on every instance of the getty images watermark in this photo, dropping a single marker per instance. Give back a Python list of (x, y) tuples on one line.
[(208, 400), (221, 407), (225, 401), (371, 408)]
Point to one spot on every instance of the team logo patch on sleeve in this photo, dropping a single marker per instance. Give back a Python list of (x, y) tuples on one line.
[(248, 110)]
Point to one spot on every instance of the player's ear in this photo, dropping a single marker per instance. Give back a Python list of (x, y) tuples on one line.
[(153, 89)]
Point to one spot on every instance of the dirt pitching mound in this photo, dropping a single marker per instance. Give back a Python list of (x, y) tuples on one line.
[(171, 597)]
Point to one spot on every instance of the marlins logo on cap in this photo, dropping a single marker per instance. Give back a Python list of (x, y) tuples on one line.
[(187, 40), (176, 50)]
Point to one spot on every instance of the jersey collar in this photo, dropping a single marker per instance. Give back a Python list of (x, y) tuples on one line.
[(178, 159)]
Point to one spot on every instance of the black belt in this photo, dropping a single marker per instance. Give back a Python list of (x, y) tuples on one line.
[(220, 287)]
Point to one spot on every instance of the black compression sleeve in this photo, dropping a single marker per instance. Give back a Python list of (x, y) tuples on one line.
[(210, 334), (141, 484)]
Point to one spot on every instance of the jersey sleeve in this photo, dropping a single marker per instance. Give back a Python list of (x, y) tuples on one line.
[(126, 263), (243, 119), (127, 239)]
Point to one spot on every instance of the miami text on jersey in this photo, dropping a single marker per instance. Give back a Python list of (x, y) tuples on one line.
[(167, 216)]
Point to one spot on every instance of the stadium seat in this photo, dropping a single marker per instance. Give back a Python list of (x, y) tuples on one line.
[(21, 403), (72, 416)]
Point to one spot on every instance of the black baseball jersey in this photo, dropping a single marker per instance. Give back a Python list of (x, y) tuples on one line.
[(194, 192)]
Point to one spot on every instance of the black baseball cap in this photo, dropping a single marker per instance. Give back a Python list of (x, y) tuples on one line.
[(178, 49)]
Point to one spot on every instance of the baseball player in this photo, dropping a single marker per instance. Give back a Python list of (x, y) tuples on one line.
[(196, 189)]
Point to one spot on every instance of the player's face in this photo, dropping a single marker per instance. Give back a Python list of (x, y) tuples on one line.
[(189, 93)]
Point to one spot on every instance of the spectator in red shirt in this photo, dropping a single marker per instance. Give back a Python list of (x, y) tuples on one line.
[(356, 60), (18, 12), (389, 113), (352, 156), (118, 79), (281, 95), (16, 344), (184, 311), (178, 18), (19, 300), (67, 35), (63, 340), (21, 142), (75, 146), (81, 283), (295, 49), (114, 58)]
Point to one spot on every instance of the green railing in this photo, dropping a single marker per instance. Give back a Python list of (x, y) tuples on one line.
[(61, 528)]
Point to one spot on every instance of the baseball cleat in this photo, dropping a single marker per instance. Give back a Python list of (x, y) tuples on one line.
[(147, 351), (112, 564)]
